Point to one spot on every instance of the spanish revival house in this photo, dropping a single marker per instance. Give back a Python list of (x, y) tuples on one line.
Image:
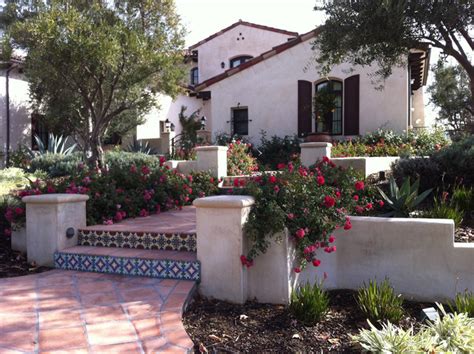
[(249, 78)]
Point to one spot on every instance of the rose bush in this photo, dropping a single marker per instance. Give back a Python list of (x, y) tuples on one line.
[(310, 202), (117, 193), (239, 159)]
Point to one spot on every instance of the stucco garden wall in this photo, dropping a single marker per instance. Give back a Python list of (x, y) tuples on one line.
[(418, 256), (269, 90)]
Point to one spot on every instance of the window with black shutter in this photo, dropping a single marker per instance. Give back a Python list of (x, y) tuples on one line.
[(240, 121), (332, 121), (351, 105)]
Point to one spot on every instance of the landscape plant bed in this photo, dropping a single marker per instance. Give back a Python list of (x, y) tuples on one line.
[(15, 264), (219, 326)]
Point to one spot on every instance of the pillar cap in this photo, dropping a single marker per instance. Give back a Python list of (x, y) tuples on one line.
[(224, 201), (211, 148), (55, 198), (315, 144)]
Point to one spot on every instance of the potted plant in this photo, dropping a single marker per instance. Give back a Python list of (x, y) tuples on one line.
[(324, 104)]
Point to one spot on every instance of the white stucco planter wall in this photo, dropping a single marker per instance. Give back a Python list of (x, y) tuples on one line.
[(48, 217), (366, 165), (18, 239), (418, 256)]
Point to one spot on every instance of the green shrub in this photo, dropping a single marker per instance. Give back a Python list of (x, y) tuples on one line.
[(457, 162), (276, 150), (389, 339), (463, 303), (463, 198), (140, 146), (56, 165), (402, 201), (379, 303), (445, 208), (124, 160), (426, 170), (309, 303)]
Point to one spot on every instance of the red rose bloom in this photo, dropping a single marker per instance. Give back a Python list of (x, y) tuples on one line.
[(359, 185), (320, 180), (316, 262), (329, 201), (300, 233), (297, 270), (272, 179)]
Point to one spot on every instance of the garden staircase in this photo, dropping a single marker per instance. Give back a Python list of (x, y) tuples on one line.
[(158, 246)]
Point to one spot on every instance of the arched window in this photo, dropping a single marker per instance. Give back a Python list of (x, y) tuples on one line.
[(194, 76), (239, 60), (329, 93)]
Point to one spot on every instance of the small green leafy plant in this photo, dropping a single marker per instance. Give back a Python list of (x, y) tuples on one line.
[(141, 146), (445, 208), (449, 333), (402, 201), (463, 198), (309, 303), (463, 303), (379, 302)]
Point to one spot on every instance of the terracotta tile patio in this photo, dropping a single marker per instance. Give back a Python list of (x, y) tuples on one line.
[(75, 312), (173, 221)]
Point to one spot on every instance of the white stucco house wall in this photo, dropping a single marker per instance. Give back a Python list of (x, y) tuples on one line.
[(20, 113), (247, 78)]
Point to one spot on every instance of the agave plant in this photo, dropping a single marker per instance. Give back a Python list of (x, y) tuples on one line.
[(140, 146), (403, 200), (56, 145)]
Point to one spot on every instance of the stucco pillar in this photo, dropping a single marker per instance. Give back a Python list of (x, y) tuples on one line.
[(220, 243), (212, 159), (47, 219), (311, 152)]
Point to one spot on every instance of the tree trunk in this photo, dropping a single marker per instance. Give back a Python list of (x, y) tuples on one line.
[(471, 125), (97, 153)]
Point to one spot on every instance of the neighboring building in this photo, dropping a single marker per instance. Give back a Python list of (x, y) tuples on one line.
[(19, 113), (248, 78)]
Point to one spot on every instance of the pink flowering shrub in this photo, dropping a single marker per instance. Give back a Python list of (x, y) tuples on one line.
[(239, 159), (310, 202), (118, 193)]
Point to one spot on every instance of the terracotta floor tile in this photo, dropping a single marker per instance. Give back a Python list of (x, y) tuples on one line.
[(104, 313), (170, 319), (154, 345), (125, 348), (61, 339), (59, 303), (183, 287), (18, 340), (11, 321), (143, 309), (169, 282), (178, 336), (55, 281), (140, 293), (67, 290), (67, 351), (91, 287), (106, 298), (111, 333), (147, 327), (61, 318)]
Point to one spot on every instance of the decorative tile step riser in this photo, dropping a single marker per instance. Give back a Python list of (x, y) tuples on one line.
[(143, 240), (163, 269)]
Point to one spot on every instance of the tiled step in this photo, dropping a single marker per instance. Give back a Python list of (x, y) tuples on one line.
[(128, 261), (175, 241)]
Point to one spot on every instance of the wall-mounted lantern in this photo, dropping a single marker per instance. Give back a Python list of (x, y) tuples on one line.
[(172, 127), (203, 123), (167, 125)]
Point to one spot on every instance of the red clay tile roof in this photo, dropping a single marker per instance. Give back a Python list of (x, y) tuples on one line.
[(268, 54), (244, 23)]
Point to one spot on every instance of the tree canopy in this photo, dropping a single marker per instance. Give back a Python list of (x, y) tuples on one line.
[(451, 94), (91, 63), (383, 31)]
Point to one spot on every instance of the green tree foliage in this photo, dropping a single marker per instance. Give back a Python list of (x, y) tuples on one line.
[(383, 31), (450, 92), (91, 63)]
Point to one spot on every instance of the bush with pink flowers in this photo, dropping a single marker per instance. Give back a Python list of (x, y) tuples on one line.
[(310, 202), (239, 159), (119, 192)]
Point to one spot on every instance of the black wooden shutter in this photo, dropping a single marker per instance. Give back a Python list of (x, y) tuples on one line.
[(304, 107), (351, 105)]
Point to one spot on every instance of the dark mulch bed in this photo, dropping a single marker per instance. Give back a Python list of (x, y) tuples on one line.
[(14, 264), (222, 327)]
